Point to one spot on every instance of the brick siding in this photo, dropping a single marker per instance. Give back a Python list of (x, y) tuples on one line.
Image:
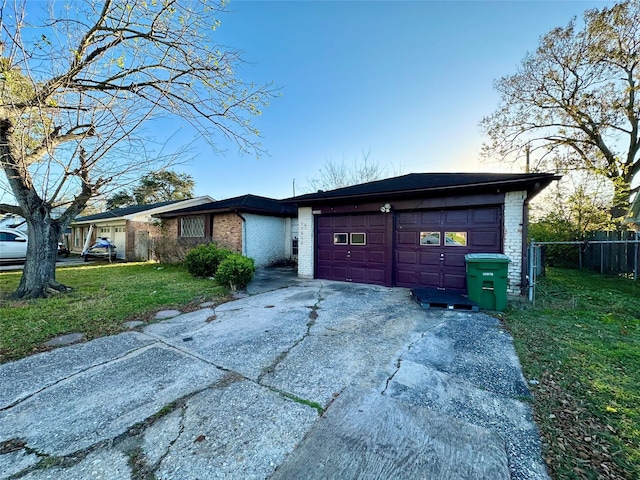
[(305, 242), (227, 231), (513, 228)]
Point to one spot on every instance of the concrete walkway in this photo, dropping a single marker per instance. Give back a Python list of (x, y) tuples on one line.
[(321, 380)]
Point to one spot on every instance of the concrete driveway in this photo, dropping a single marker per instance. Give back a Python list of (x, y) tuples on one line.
[(320, 380)]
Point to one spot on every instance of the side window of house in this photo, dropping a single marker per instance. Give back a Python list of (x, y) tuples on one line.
[(294, 246), (192, 227), (76, 237)]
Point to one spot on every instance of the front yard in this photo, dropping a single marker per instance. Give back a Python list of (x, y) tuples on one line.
[(581, 346), (104, 297)]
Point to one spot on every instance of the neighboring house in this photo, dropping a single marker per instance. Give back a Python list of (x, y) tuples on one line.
[(633, 219), (130, 229), (258, 227), (414, 230)]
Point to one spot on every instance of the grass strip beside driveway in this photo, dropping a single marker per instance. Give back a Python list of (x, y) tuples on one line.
[(581, 342), (104, 296)]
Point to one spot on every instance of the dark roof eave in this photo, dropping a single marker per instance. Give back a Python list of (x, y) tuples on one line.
[(530, 183), (214, 211)]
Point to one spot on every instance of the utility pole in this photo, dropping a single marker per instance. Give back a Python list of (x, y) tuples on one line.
[(526, 150), (294, 187)]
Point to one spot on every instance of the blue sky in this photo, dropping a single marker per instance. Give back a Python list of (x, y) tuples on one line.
[(407, 82)]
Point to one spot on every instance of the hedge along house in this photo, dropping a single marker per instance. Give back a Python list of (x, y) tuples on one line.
[(130, 229), (414, 230), (258, 227)]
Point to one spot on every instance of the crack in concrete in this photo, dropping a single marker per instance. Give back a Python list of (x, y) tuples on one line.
[(313, 315), (61, 381), (141, 469), (408, 348)]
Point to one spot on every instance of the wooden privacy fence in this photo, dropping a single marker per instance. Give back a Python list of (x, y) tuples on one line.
[(613, 253)]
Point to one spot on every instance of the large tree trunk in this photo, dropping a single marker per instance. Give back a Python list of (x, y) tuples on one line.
[(39, 276)]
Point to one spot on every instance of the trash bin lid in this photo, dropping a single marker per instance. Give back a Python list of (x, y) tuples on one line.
[(487, 257)]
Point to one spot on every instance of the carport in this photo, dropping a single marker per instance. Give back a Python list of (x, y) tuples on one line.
[(414, 230)]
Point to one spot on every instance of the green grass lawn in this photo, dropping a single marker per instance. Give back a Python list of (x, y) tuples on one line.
[(581, 341), (104, 296)]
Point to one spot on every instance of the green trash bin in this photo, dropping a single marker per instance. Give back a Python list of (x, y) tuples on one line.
[(487, 275)]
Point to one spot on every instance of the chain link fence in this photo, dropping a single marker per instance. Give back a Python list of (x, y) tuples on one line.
[(610, 253)]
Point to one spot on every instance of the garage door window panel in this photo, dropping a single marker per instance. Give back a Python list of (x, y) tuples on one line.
[(430, 238), (340, 238), (455, 239), (358, 239)]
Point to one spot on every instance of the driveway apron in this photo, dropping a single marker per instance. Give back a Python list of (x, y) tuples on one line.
[(321, 380)]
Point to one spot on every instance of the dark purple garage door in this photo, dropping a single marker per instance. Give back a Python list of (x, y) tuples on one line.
[(430, 245), (354, 248)]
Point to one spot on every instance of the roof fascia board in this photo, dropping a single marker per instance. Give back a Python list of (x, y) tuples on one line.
[(528, 184), (191, 202)]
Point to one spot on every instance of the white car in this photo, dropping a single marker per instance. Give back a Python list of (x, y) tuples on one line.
[(13, 245)]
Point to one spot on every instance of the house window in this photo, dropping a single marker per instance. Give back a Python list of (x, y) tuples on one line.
[(340, 238), (192, 227), (105, 229), (76, 237), (294, 246), (455, 239), (358, 239), (430, 238)]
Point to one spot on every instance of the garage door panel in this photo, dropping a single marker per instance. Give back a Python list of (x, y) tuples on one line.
[(358, 256), (323, 222), (454, 260), (429, 277), (358, 274), (369, 263), (376, 238), (443, 265), (325, 239), (484, 239), (407, 257), (480, 216), (325, 255), (407, 219), (339, 256), (455, 281), (377, 257), (407, 238), (376, 275), (455, 217), (339, 272), (325, 271), (429, 258), (430, 218), (406, 277)]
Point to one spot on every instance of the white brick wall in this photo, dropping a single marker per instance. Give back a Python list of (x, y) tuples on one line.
[(262, 238), (513, 222), (305, 242)]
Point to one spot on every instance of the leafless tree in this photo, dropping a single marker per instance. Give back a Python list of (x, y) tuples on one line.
[(575, 100), (341, 174), (79, 85)]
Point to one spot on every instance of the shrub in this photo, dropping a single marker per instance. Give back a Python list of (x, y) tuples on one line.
[(173, 251), (235, 271), (203, 260)]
